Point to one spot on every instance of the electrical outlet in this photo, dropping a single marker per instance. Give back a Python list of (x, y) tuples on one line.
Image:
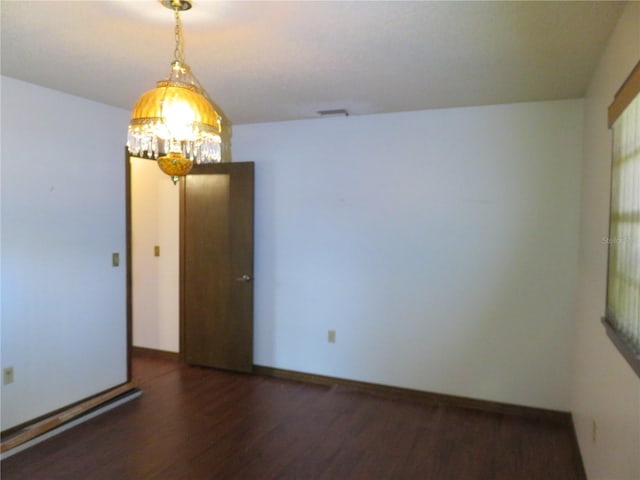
[(331, 336), (7, 375), (115, 259)]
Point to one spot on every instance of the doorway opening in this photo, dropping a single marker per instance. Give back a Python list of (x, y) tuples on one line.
[(190, 263), (155, 258)]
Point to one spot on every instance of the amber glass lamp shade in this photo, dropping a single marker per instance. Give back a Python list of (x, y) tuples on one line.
[(176, 124)]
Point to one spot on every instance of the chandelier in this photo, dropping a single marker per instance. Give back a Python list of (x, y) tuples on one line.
[(176, 122)]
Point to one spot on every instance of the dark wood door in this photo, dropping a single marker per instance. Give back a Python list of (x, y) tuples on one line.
[(216, 227)]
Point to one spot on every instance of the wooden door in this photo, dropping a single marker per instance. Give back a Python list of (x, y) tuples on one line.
[(216, 228)]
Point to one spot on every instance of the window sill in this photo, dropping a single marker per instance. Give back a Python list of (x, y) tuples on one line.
[(632, 358)]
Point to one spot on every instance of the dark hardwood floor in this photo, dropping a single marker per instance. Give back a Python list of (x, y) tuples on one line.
[(194, 423)]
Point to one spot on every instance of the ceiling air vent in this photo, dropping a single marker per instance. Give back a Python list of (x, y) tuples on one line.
[(336, 111)]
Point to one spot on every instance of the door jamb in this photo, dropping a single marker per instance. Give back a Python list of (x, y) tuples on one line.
[(181, 257), (129, 281)]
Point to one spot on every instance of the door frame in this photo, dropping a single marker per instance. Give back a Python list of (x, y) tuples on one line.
[(129, 265), (181, 272)]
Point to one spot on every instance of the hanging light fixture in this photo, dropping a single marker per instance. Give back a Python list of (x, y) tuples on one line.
[(176, 123)]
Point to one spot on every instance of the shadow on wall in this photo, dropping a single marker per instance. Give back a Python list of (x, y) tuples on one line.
[(227, 131)]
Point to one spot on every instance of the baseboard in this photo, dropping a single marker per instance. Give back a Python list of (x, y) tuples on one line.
[(438, 399), (431, 398), (154, 353), (45, 428)]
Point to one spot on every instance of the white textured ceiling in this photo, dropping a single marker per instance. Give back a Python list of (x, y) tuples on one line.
[(270, 61)]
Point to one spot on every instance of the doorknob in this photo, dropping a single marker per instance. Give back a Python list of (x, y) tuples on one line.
[(244, 278)]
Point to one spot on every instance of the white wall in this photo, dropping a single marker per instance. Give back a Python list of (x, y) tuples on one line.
[(440, 245), (605, 389), (63, 214), (156, 282)]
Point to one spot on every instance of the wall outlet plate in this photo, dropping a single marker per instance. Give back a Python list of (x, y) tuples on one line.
[(7, 375), (331, 336)]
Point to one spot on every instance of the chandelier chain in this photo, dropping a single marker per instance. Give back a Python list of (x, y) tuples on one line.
[(178, 53)]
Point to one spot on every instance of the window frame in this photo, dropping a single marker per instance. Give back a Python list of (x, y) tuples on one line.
[(622, 99)]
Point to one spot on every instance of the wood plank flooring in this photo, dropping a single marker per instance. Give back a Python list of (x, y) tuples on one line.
[(194, 423)]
